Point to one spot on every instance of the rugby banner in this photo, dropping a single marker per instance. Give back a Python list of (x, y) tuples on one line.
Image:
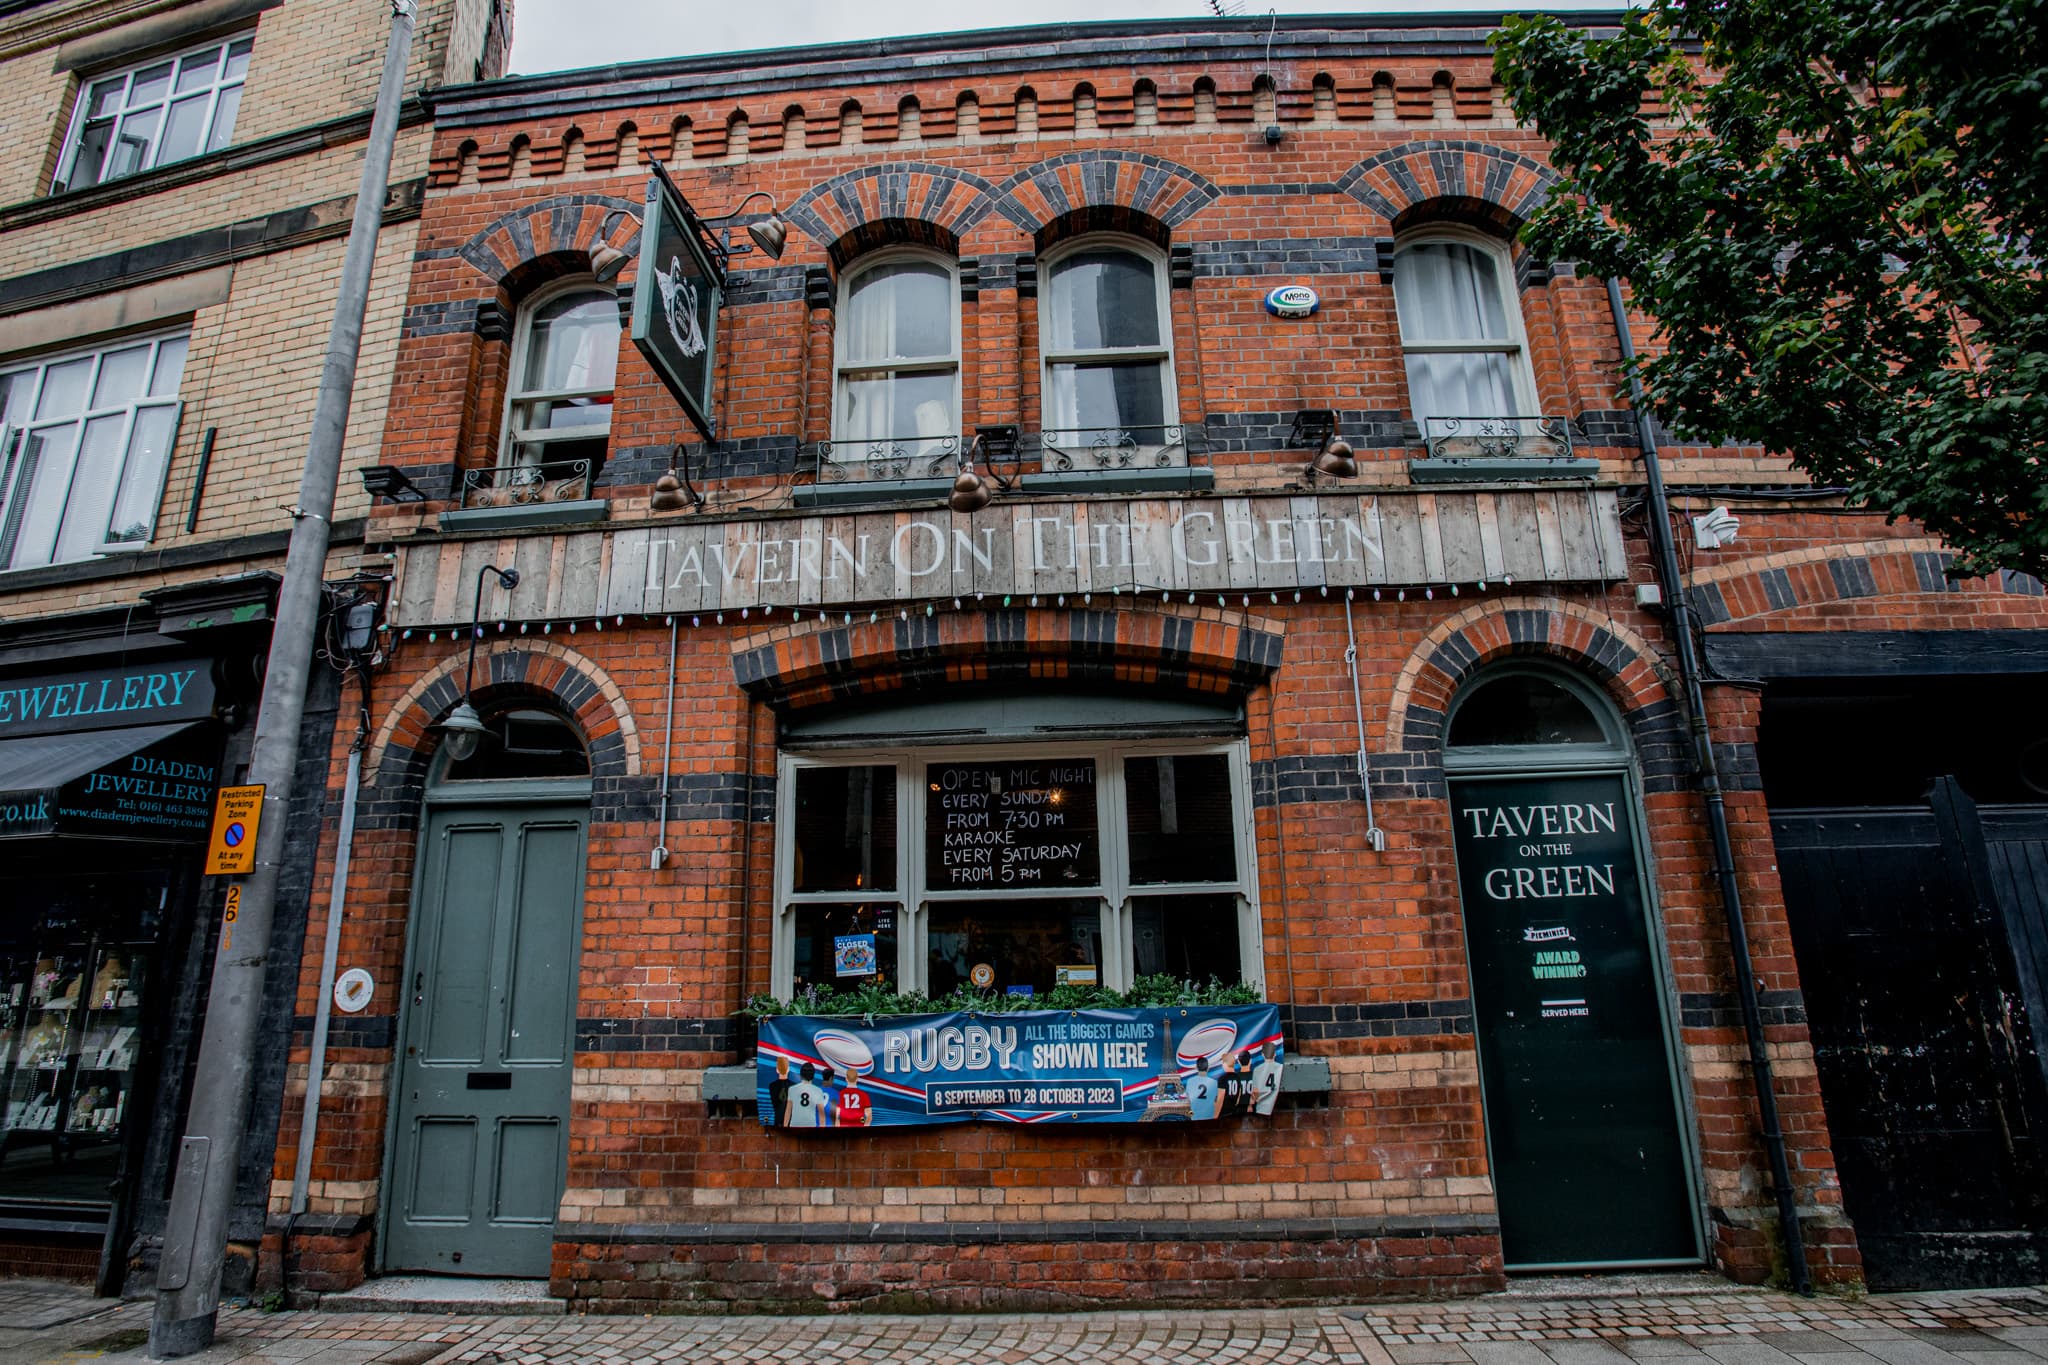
[(1193, 1063)]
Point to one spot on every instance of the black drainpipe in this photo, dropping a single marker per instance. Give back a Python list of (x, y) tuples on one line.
[(1708, 772)]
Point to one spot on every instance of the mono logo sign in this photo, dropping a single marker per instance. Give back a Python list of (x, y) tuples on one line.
[(1292, 301)]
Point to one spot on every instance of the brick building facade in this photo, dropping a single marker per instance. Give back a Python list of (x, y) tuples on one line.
[(176, 206), (1072, 234)]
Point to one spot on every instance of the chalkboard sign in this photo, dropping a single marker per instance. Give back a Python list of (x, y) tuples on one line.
[(1581, 1115), (1011, 825)]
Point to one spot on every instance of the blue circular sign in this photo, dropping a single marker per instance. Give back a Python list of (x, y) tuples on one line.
[(233, 834), (1292, 301)]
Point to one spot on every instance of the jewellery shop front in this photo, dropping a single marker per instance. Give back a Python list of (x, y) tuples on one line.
[(107, 779)]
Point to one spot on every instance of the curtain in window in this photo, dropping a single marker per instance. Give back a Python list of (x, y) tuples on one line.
[(899, 313), (1102, 301), (1449, 295)]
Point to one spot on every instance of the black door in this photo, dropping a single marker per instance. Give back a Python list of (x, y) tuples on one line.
[(1582, 1118), (1904, 921)]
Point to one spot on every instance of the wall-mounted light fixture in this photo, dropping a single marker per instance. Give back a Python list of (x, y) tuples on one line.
[(673, 490), (1316, 429), (389, 481), (970, 491), (768, 234), (464, 729)]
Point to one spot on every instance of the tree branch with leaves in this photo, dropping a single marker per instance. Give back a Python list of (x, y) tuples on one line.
[(1833, 211)]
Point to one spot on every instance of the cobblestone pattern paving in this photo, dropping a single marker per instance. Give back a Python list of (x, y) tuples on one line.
[(1725, 1327)]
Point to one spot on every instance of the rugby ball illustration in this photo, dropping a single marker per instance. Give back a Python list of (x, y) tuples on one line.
[(1204, 1041), (842, 1051)]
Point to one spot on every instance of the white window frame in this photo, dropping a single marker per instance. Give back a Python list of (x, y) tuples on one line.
[(1515, 347), (1114, 893), (14, 441), (512, 437), (75, 134), (843, 370), (1048, 357)]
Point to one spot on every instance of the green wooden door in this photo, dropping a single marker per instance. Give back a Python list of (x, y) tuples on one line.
[(1582, 1117), (481, 1135)]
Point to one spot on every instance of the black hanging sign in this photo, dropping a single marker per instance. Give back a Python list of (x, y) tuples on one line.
[(676, 300), (1011, 825)]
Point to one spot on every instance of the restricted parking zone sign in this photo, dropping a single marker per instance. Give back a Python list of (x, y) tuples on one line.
[(231, 848)]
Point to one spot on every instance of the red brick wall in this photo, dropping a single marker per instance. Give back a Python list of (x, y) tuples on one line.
[(1360, 935)]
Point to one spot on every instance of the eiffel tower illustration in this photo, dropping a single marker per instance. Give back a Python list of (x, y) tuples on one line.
[(1169, 1095)]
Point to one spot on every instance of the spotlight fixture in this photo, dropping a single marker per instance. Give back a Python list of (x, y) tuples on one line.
[(389, 481), (1316, 429), (970, 492), (606, 262), (768, 236), (668, 493)]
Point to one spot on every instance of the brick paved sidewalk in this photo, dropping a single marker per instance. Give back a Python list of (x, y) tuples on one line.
[(1549, 1324)]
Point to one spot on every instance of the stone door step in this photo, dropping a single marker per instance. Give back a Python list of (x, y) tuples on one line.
[(1621, 1285), (446, 1294)]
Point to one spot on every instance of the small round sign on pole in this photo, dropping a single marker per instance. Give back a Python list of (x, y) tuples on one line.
[(352, 990)]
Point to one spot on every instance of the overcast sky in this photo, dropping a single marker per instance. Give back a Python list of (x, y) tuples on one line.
[(557, 35)]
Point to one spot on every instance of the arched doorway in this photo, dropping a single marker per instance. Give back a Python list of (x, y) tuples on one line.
[(1590, 1157), (487, 1020)]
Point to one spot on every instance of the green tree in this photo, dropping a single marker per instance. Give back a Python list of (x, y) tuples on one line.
[(1833, 210)]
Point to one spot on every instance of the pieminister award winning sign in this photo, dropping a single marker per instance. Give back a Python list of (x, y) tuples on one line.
[(676, 300)]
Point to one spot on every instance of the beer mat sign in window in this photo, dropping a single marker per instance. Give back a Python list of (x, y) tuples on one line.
[(1015, 826), (1192, 1064)]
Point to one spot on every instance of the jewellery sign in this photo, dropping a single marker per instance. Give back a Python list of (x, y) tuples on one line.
[(145, 694), (675, 301), (1031, 1066)]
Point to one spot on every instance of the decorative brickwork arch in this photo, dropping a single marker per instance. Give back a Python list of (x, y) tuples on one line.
[(944, 196), (1621, 662), (550, 673), (558, 225), (1791, 579), (1505, 185), (1207, 652), (1147, 185)]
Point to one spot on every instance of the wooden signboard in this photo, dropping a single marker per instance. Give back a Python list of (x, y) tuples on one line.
[(1214, 547)]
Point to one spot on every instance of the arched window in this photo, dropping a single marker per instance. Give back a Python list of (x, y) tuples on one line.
[(1461, 328), (565, 361), (1513, 714), (522, 742), (897, 353), (1108, 345)]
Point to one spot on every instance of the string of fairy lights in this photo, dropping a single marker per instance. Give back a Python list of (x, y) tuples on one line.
[(965, 602)]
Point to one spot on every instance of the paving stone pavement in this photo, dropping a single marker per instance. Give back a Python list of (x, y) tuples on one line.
[(1598, 1323)]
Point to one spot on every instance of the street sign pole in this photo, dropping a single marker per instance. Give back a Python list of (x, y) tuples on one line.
[(203, 1184)]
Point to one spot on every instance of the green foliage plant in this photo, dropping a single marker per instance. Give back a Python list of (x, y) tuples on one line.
[(1162, 992), (1833, 211)]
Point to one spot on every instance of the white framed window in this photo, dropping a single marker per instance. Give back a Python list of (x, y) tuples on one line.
[(1106, 343), (565, 361), (151, 115), (1043, 864), (896, 356), (86, 442), (1461, 328)]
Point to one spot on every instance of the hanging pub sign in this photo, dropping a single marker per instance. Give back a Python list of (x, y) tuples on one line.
[(1029, 1066), (676, 300)]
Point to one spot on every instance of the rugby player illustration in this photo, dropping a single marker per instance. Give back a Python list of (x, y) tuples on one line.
[(806, 1103)]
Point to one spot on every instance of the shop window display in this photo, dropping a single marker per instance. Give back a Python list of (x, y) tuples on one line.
[(72, 987)]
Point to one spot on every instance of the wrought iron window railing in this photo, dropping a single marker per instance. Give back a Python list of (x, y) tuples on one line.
[(888, 459), (518, 485), (1159, 446), (1498, 438), (1066, 450)]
